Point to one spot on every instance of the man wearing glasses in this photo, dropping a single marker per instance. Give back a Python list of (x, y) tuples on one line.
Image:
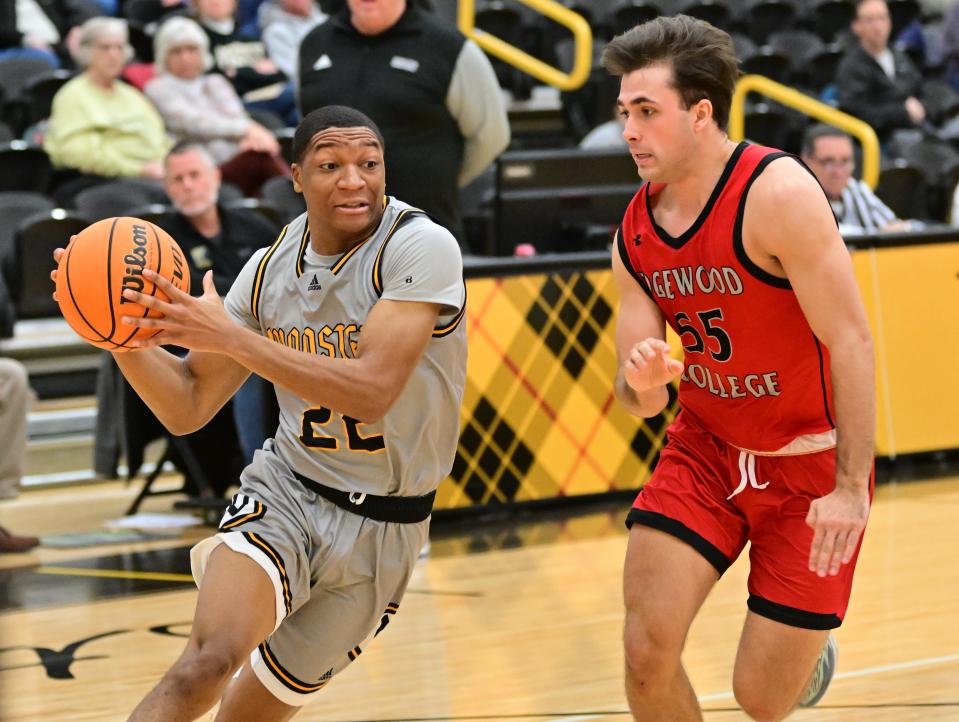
[(829, 154)]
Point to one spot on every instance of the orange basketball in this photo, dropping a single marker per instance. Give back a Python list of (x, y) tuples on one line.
[(103, 260)]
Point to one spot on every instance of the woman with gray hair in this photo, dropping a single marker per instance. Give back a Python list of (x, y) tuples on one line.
[(204, 108), (99, 126)]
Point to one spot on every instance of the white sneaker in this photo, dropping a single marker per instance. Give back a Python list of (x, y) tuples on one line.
[(822, 675)]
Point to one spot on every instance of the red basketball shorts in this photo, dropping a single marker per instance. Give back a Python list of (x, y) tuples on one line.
[(716, 497)]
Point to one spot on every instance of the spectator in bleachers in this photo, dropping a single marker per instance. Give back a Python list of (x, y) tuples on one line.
[(283, 25), (204, 108), (31, 28), (102, 128), (950, 45), (220, 239), (876, 82), (432, 92), (15, 399), (243, 59), (828, 152)]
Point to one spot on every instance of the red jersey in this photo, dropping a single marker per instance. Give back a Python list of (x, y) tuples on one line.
[(756, 376)]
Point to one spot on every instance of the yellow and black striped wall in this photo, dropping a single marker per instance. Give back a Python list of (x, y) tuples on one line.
[(539, 420)]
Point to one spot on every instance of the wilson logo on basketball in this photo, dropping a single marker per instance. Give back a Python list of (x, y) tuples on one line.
[(136, 261)]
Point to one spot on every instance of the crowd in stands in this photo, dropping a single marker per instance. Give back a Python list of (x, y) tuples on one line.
[(106, 87), (96, 92)]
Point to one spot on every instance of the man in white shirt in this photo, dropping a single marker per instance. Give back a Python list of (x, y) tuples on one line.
[(828, 152)]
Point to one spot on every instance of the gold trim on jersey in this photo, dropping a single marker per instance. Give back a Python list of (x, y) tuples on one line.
[(285, 677), (401, 218), (302, 254), (441, 331), (261, 273), (337, 267)]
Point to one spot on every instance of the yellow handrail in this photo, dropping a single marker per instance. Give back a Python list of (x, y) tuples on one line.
[(574, 22), (859, 129)]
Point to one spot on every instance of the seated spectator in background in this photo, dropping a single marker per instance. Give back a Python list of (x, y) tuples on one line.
[(828, 152), (204, 108), (875, 82), (242, 58), (283, 25), (15, 399), (100, 127), (432, 92), (950, 45), (222, 240), (40, 28), (606, 136)]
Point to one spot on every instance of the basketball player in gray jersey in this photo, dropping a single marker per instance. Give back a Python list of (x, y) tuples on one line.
[(355, 314), (317, 304)]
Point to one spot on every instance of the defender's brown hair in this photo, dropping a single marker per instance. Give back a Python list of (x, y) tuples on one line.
[(702, 58)]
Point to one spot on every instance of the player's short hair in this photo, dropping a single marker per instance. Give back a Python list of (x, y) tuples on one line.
[(815, 132), (188, 146), (177, 32), (97, 28), (702, 57), (330, 116)]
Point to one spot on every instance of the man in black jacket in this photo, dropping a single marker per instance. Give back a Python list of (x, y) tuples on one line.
[(222, 239), (432, 92), (875, 82)]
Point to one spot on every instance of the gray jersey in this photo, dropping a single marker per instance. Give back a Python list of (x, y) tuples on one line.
[(318, 305)]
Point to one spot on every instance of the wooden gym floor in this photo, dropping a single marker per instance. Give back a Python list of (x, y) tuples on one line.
[(518, 620)]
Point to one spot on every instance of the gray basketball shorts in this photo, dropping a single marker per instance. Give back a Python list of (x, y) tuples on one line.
[(338, 576)]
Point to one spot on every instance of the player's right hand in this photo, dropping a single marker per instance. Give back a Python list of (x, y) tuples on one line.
[(649, 365)]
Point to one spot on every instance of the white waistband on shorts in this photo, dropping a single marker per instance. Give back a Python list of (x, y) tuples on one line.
[(806, 444)]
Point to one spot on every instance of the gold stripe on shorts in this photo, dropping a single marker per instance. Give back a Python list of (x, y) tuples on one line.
[(274, 557), (288, 680)]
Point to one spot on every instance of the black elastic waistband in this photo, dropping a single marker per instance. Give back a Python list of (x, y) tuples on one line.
[(398, 509)]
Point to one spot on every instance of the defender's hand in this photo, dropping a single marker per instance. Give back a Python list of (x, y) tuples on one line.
[(649, 365)]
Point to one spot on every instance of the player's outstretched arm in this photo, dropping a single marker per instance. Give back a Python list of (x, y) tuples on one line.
[(789, 220), (645, 366), (394, 337), (183, 393)]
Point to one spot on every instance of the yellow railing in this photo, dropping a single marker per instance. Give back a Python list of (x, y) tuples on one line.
[(858, 129), (574, 22)]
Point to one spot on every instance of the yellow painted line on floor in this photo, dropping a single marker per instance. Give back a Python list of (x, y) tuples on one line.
[(116, 574)]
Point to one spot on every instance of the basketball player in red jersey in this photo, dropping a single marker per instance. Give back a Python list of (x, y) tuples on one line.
[(735, 247)]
